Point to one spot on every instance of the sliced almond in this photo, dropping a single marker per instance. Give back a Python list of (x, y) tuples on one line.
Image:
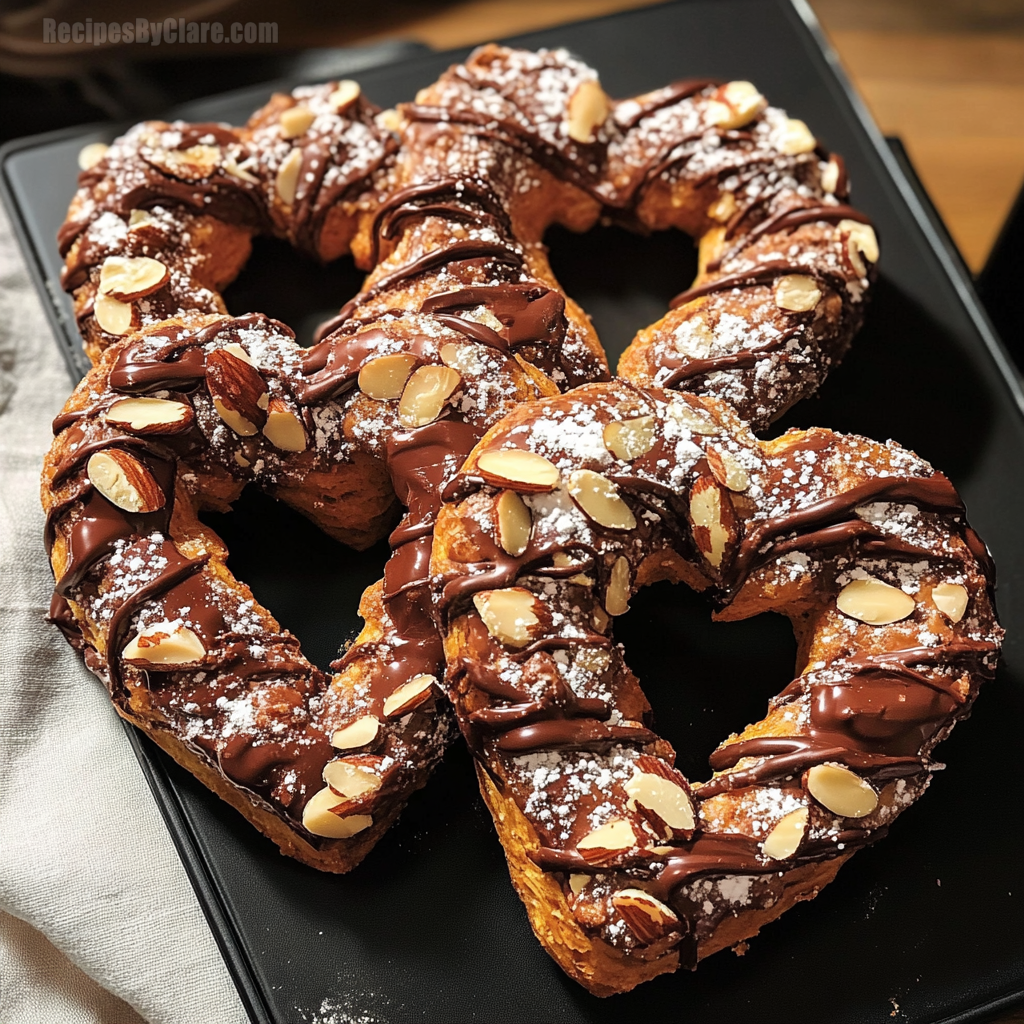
[(510, 615), (601, 845), (317, 817), (131, 277), (629, 439), (124, 481), (841, 791), (532, 472), (295, 121), (514, 523), (861, 244), (89, 156), (426, 393), (241, 460), (713, 520), (690, 419), (600, 618), (346, 92), (874, 602), (139, 219), (734, 105), (599, 498), (238, 391), (114, 316), (236, 350), (648, 918), (578, 882), (283, 428), (795, 138), (616, 599), (287, 180), (192, 164), (727, 469), (830, 177), (408, 696), (785, 839), (663, 796), (350, 780), (357, 734), (797, 293), (588, 109), (390, 120), (951, 600), (150, 415), (384, 378), (165, 643), (242, 171)]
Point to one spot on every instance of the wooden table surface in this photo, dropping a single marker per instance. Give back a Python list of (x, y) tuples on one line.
[(947, 76)]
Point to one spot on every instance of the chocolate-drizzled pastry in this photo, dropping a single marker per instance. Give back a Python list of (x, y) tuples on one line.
[(445, 202), (560, 514)]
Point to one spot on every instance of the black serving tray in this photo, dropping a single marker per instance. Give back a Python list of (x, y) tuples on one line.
[(923, 927)]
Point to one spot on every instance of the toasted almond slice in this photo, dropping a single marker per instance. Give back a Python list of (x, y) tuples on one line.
[(709, 515), (346, 92), (165, 643), (861, 244), (796, 138), (408, 696), (356, 734), (578, 882), (514, 523), (318, 818), (390, 120), (283, 428), (727, 469), (131, 277), (90, 155), (785, 839), (295, 121), (841, 791), (241, 460), (141, 219), (236, 350), (528, 470), (951, 600), (734, 105), (124, 481), (150, 415), (612, 836), (350, 780), (599, 498), (830, 177), (510, 615), (669, 801), (629, 439), (113, 316), (241, 170), (874, 602), (588, 109), (797, 293), (648, 918), (426, 393), (616, 600), (235, 420), (690, 419), (384, 378), (287, 180)]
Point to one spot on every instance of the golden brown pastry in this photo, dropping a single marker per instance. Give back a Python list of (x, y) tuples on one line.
[(565, 509)]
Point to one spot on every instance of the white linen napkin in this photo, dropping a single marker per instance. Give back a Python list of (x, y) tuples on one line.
[(98, 921)]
